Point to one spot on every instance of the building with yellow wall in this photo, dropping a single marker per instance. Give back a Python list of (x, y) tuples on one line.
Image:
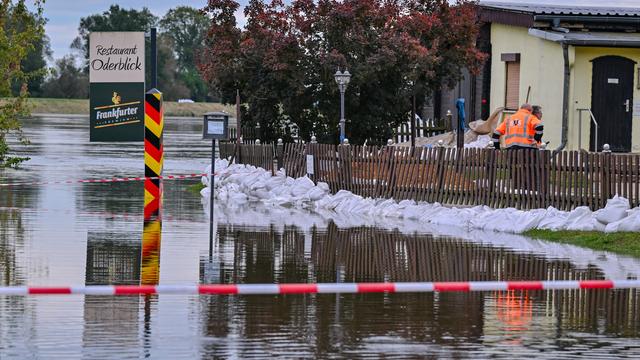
[(592, 54)]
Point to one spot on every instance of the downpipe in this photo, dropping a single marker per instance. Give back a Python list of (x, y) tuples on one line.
[(565, 101)]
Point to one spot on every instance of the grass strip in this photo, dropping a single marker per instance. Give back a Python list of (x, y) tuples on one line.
[(195, 188), (624, 243), (81, 107)]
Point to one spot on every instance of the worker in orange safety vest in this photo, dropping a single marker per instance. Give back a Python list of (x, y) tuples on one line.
[(522, 130)]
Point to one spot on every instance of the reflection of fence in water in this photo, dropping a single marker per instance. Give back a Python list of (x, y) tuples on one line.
[(368, 254), (287, 263), (112, 259)]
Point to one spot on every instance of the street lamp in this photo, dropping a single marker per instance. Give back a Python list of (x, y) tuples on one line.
[(342, 79)]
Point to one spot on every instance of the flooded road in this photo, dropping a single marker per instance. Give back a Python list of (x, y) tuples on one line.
[(77, 234)]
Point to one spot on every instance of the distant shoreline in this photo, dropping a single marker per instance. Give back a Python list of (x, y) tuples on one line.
[(80, 107)]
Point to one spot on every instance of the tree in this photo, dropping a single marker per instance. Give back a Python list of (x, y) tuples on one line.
[(35, 63), (169, 81), (114, 19), (284, 60), (187, 28), (67, 80), (19, 33)]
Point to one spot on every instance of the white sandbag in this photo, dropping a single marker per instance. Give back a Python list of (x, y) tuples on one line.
[(324, 186), (450, 216), (316, 193), (553, 220), (301, 186), (412, 212), (238, 184), (582, 219), (485, 219), (630, 223), (481, 142), (615, 210)]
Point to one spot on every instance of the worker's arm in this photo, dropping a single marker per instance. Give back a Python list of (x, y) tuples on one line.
[(499, 131), (539, 130)]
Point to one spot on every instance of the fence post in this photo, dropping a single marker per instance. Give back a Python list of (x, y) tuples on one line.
[(440, 173), (346, 162), (279, 154), (606, 175)]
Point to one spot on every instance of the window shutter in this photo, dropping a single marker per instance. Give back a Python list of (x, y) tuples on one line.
[(512, 98)]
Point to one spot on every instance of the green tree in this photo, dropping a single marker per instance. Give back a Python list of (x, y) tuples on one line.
[(67, 81), (36, 63), (114, 19), (284, 59), (169, 77), (20, 31), (187, 27)]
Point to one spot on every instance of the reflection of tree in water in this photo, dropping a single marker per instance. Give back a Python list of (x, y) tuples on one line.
[(116, 198), (367, 254), (12, 229), (12, 239)]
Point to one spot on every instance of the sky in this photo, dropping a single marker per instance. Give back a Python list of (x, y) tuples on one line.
[(64, 15)]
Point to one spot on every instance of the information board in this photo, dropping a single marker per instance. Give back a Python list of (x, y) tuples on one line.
[(116, 75)]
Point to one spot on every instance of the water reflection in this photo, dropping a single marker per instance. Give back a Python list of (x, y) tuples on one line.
[(113, 258), (380, 322)]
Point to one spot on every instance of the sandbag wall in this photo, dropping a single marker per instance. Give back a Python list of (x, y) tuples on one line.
[(500, 179)]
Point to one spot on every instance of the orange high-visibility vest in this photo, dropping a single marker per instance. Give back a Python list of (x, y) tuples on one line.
[(520, 129)]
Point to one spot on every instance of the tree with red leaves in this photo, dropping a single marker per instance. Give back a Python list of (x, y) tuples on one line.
[(284, 59)]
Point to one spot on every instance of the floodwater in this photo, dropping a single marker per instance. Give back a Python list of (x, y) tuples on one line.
[(76, 234)]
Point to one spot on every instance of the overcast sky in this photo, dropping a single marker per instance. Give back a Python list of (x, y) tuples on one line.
[(64, 15)]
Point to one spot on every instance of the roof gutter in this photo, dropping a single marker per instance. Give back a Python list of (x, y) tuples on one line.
[(622, 20)]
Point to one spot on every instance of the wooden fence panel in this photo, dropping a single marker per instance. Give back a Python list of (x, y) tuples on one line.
[(523, 179)]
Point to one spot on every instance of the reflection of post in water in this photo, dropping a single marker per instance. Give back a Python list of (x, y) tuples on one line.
[(153, 162), (150, 261), (113, 258)]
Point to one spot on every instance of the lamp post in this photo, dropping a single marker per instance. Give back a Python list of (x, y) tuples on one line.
[(342, 79)]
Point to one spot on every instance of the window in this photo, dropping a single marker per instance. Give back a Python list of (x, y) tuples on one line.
[(512, 88)]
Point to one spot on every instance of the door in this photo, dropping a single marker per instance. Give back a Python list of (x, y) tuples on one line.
[(612, 102)]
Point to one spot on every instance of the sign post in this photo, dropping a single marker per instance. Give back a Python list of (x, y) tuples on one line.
[(116, 75), (215, 127)]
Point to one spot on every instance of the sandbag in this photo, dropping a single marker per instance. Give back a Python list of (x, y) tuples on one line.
[(582, 219), (238, 184), (316, 193), (615, 210), (631, 223), (553, 219)]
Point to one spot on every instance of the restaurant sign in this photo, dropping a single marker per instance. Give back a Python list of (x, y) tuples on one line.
[(116, 73)]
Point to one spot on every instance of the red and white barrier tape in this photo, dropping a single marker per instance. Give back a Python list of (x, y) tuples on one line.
[(321, 288), (111, 180)]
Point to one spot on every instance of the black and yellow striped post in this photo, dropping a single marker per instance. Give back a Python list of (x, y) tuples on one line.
[(153, 162)]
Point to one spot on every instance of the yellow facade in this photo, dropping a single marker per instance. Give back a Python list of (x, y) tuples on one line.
[(542, 69)]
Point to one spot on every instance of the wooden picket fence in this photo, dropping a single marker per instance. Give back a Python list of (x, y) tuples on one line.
[(424, 128), (465, 177)]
